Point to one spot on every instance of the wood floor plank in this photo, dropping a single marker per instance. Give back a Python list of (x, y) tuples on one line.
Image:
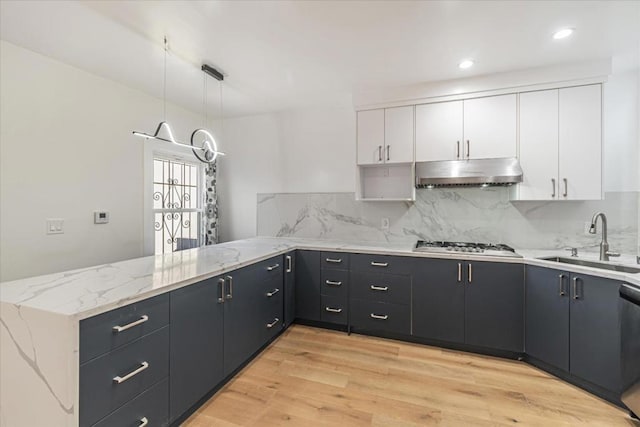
[(315, 377)]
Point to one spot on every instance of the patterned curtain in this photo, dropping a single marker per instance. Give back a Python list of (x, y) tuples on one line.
[(210, 221)]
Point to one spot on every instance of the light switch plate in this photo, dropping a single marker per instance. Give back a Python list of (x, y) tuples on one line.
[(101, 217), (55, 226)]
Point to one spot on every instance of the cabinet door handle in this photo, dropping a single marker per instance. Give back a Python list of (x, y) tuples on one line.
[(273, 267), (459, 272), (144, 421), (334, 260), (333, 310), (388, 152), (470, 272), (273, 292), (289, 263), (566, 187), (379, 317), (561, 285), (274, 323), (379, 264), (332, 283), (468, 149), (221, 297), (379, 288), (379, 153), (575, 288), (230, 294), (457, 149), (553, 187), (140, 321), (120, 380)]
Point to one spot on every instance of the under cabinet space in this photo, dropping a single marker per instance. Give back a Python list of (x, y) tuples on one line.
[(386, 183)]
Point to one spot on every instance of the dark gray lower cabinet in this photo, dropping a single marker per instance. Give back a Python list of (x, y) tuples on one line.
[(196, 357), (150, 407), (308, 285), (244, 317), (494, 305), (473, 302), (547, 315), (595, 331), (289, 288), (438, 300)]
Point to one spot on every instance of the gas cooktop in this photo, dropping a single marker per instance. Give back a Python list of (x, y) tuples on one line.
[(488, 249)]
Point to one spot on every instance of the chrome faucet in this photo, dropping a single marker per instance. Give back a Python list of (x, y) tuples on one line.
[(604, 245)]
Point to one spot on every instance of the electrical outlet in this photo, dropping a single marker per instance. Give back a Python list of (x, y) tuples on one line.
[(587, 227), (55, 226), (384, 224)]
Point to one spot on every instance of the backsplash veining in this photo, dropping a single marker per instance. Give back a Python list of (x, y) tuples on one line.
[(466, 214)]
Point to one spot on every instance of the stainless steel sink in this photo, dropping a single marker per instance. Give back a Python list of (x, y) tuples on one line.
[(593, 264)]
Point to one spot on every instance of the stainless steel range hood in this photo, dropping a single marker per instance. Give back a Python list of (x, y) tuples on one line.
[(475, 172)]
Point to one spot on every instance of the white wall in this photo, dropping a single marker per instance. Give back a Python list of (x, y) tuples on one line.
[(319, 150), (66, 150), (253, 164)]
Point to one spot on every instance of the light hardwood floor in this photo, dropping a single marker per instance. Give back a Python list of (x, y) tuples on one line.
[(315, 377)]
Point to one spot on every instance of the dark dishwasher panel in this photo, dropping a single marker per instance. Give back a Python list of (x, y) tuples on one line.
[(630, 346)]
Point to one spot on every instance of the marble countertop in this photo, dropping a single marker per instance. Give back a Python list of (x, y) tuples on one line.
[(89, 291)]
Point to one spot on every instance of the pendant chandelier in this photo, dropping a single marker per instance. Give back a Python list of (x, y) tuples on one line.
[(202, 143)]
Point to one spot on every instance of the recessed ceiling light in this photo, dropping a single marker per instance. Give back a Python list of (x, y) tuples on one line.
[(465, 64), (562, 34)]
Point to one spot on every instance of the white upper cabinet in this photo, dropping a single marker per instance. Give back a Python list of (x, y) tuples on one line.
[(561, 144), (398, 135), (439, 131), (490, 127), (539, 145), (370, 137), (580, 134), (385, 136)]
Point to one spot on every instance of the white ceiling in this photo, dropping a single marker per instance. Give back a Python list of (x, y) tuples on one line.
[(286, 54)]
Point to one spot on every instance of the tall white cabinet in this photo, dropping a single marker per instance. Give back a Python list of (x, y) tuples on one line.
[(561, 144), (480, 128)]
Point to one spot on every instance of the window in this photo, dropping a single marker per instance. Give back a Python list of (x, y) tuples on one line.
[(177, 204)]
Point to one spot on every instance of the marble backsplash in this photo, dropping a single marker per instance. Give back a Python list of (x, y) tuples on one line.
[(460, 214)]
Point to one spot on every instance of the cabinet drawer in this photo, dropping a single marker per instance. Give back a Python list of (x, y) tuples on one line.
[(145, 362), (152, 406), (334, 310), (269, 269), (339, 260), (386, 264), (387, 288), (98, 336), (334, 282), (378, 316)]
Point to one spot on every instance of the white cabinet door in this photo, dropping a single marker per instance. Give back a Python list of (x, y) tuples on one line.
[(398, 135), (539, 145), (439, 131), (580, 141), (370, 139), (490, 127)]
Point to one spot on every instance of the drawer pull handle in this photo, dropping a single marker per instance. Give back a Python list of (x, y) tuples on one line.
[(230, 294), (140, 321), (272, 324), (273, 292), (379, 264), (334, 260), (273, 267), (332, 283), (221, 297), (289, 264), (379, 288), (143, 422), (379, 317), (120, 380), (333, 310)]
